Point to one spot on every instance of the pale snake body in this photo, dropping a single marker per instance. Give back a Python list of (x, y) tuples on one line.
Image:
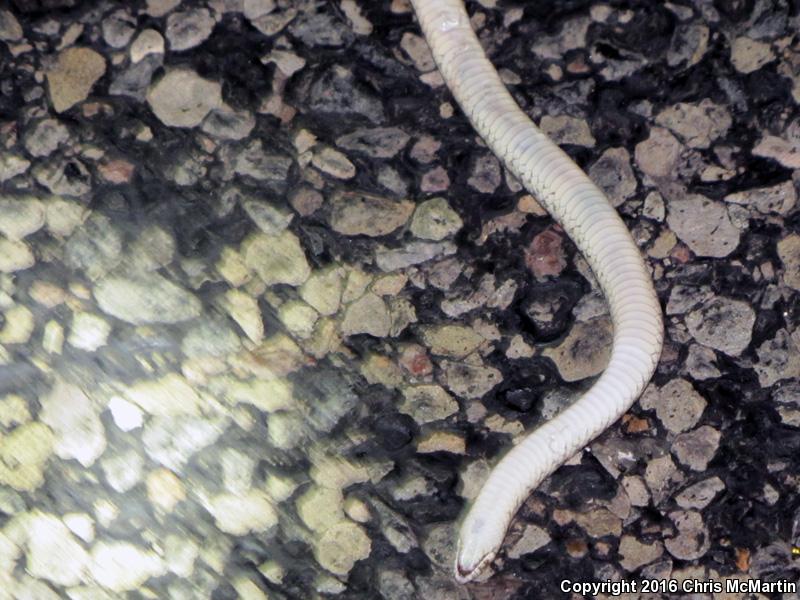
[(599, 233)]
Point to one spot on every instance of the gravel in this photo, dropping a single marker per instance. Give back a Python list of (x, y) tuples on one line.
[(270, 310)]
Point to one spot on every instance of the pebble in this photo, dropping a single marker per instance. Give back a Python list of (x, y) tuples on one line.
[(159, 8), (533, 537), (684, 298), (12, 165), (53, 553), (187, 29), (703, 224), (336, 92), (412, 253), (381, 369), (723, 324), (692, 539), (700, 495), (418, 51), (369, 314), (123, 471), (172, 441), (118, 28), (164, 490), (778, 358), (334, 163), (253, 161), (288, 63), (241, 514), (777, 199), (145, 298), (96, 248), (18, 326), (784, 151), (689, 44), (13, 411), (122, 566), (662, 476), (306, 201), (700, 363), (126, 415), (663, 244), (654, 207), (424, 149), (147, 42), (211, 336), (286, 430), (63, 216), (698, 125), (23, 454), (585, 351), (696, 448), (319, 507), (323, 290), (636, 490), (434, 181), (678, 406), (612, 172), (439, 543), (267, 395), (358, 23), (635, 554), (44, 137), (20, 217), (341, 547), (273, 23), (658, 155), (789, 253), (15, 256), (435, 220), (244, 310), (321, 29), (441, 441), (10, 29), (88, 332), (254, 9), (469, 380), (452, 340), (750, 55), (229, 124), (167, 396), (599, 522), (564, 129), (182, 98), (485, 174), (394, 585), (545, 256), (366, 214), (276, 258), (427, 403), (73, 76), (375, 142)]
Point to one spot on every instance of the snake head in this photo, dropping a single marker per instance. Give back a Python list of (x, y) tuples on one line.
[(477, 547), (466, 572)]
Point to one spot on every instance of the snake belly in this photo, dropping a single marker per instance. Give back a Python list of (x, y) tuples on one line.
[(591, 222)]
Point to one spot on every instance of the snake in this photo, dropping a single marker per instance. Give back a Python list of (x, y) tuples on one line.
[(598, 232)]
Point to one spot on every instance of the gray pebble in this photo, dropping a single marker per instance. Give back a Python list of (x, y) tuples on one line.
[(695, 449)]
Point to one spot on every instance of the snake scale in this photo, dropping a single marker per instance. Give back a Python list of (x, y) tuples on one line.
[(588, 218)]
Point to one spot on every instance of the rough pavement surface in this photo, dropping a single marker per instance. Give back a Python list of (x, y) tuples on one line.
[(269, 310)]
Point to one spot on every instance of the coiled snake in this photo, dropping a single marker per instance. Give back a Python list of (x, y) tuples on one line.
[(598, 232)]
